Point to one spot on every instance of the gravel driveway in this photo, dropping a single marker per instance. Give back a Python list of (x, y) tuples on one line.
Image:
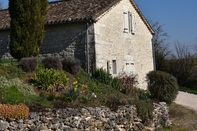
[(187, 99)]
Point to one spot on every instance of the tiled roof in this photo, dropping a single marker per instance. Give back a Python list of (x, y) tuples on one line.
[(4, 19), (72, 11)]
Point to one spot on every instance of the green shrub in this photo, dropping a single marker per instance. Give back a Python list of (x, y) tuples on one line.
[(86, 98), (115, 83), (50, 79), (71, 95), (52, 62), (144, 109), (71, 65), (102, 76), (28, 64), (75, 90), (12, 95), (95, 89), (162, 86), (144, 94), (113, 100), (25, 88), (10, 70), (11, 112), (51, 97)]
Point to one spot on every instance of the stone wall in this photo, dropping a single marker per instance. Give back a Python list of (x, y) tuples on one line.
[(112, 43), (65, 40), (4, 40), (88, 119)]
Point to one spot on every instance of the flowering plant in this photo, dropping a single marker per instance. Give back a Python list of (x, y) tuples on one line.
[(75, 90)]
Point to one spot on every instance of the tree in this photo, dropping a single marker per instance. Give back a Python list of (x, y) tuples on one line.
[(27, 26), (161, 49), (1, 6), (182, 64)]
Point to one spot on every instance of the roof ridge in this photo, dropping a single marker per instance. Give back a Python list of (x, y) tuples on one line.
[(75, 11)]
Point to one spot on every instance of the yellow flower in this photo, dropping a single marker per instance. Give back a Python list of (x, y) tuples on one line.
[(84, 86), (75, 88), (81, 92), (75, 83)]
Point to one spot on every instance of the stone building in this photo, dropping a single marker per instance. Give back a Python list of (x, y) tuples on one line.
[(109, 34)]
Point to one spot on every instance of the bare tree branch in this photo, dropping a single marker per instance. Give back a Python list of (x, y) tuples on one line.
[(182, 64), (161, 49)]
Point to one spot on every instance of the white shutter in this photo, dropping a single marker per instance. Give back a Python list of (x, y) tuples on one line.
[(132, 22), (126, 22), (109, 67)]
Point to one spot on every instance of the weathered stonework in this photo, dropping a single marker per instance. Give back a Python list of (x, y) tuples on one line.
[(111, 43), (69, 39), (4, 40), (88, 119)]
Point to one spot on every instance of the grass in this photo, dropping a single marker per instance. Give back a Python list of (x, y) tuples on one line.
[(189, 90), (183, 119), (14, 82)]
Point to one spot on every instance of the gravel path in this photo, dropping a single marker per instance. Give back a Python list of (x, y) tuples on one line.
[(187, 99)]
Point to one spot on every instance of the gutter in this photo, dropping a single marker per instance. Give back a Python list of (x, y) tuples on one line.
[(87, 48)]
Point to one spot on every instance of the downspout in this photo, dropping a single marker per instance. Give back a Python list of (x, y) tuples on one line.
[(154, 59), (87, 48)]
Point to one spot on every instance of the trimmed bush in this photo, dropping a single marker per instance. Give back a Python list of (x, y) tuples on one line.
[(28, 64), (52, 62), (71, 65), (162, 86), (50, 79), (11, 112)]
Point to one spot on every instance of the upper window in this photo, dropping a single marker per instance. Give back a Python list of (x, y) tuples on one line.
[(129, 22)]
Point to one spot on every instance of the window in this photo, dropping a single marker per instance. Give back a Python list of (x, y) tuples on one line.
[(114, 66), (129, 22), (129, 67)]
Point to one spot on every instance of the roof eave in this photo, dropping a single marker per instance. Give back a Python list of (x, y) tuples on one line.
[(142, 17)]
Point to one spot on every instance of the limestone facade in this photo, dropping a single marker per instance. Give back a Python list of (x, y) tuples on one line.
[(129, 53)]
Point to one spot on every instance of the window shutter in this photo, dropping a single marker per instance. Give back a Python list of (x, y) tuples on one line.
[(132, 22), (126, 22)]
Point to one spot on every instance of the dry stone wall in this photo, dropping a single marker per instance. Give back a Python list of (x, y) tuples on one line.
[(88, 119)]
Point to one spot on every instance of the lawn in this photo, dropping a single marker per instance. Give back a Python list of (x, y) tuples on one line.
[(183, 119)]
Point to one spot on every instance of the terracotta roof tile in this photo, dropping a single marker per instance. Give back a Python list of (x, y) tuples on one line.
[(77, 10), (72, 10)]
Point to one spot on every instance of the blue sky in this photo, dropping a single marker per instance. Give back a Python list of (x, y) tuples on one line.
[(178, 17)]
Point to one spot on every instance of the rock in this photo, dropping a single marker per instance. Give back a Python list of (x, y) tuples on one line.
[(89, 119), (3, 125)]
